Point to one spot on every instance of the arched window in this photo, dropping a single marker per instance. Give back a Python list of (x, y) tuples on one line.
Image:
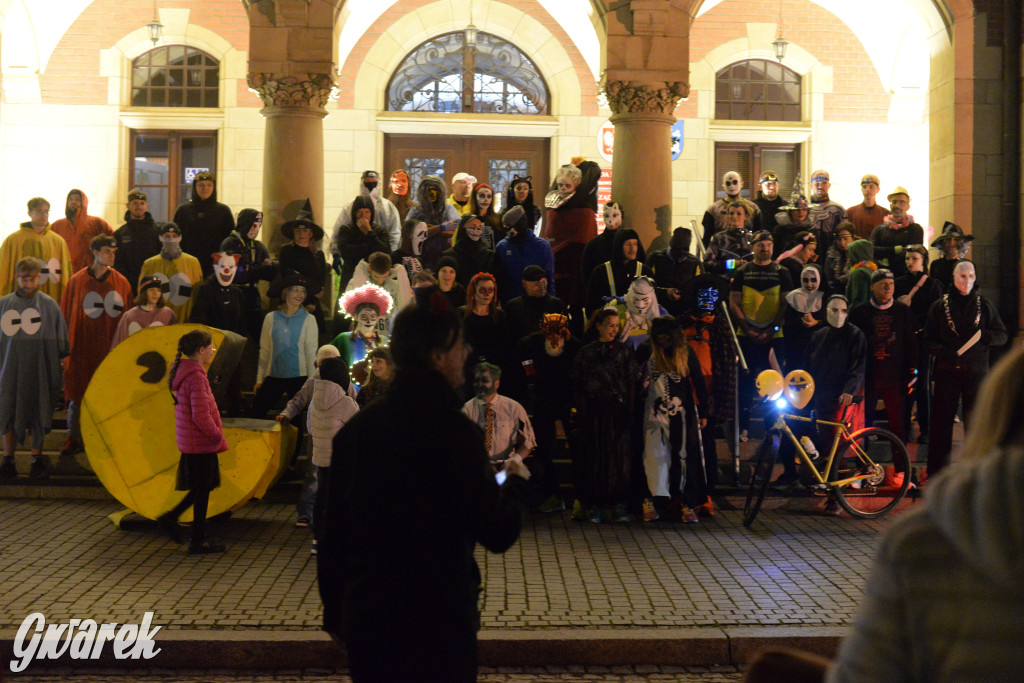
[(175, 76), (468, 71), (757, 90)]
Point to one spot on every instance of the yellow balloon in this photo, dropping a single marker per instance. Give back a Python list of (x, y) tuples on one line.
[(128, 430), (799, 387), (769, 384)]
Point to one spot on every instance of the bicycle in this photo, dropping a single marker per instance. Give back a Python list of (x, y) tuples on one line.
[(856, 479)]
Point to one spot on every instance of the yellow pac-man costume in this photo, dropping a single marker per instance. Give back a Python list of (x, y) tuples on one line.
[(180, 278), (128, 430), (47, 246)]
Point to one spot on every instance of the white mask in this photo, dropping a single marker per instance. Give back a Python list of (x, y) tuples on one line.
[(419, 236), (836, 313), (964, 277)]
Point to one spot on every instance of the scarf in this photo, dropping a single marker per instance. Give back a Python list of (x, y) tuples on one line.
[(898, 225), (879, 306)]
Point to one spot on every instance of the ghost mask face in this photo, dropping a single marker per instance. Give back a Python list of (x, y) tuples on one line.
[(964, 277), (612, 217), (809, 280), (419, 236), (640, 297), (836, 312), (225, 266)]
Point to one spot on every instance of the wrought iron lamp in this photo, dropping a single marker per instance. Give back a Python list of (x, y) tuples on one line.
[(156, 29)]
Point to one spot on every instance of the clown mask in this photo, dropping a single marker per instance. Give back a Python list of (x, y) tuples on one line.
[(964, 277), (225, 266)]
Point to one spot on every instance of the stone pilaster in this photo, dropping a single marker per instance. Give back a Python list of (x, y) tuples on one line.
[(293, 151), (641, 169)]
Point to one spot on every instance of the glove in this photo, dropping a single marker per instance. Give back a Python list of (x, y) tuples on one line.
[(336, 264)]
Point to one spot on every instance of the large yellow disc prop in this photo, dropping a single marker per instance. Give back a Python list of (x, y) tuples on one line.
[(128, 429), (799, 387), (769, 384)]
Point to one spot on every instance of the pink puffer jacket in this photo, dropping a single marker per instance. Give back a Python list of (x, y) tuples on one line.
[(196, 418)]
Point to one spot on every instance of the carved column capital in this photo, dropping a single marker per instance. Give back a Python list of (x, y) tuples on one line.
[(631, 97), (311, 91)]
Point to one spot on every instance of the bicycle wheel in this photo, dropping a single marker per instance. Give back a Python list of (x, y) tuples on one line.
[(878, 494), (761, 477)]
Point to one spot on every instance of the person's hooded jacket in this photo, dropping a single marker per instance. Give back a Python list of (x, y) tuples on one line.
[(521, 248), (623, 272), (330, 408), (858, 286), (472, 257), (943, 599), (441, 217), (353, 245), (78, 229), (945, 342), (251, 267), (385, 215), (204, 223), (137, 240), (197, 425)]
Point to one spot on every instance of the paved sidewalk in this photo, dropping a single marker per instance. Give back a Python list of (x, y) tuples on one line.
[(65, 559)]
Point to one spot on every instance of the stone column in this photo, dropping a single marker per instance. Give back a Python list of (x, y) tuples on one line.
[(293, 148), (646, 75), (641, 169)]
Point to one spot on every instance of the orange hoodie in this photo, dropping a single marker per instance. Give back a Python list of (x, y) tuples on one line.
[(78, 233)]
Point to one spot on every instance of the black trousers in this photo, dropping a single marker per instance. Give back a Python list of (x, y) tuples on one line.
[(442, 656), (893, 395), (271, 391), (951, 386), (545, 416), (919, 394)]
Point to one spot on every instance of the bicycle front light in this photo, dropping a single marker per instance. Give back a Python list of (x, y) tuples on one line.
[(781, 403)]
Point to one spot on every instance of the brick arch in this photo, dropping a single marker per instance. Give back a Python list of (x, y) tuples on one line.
[(76, 73), (856, 92), (386, 43)]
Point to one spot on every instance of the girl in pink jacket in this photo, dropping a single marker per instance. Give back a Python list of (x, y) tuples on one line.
[(199, 435)]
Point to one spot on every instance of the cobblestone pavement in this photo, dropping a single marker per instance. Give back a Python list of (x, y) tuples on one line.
[(65, 559), (577, 674)]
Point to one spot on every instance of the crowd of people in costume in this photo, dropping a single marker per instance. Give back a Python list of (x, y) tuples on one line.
[(631, 348)]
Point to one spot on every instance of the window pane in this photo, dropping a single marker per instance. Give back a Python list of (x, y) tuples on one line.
[(750, 85), (417, 167), (430, 78), (181, 86)]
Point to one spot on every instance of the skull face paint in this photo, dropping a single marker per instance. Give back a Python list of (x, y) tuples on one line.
[(809, 279)]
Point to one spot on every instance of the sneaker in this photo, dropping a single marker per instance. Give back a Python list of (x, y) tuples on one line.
[(578, 512), (312, 550), (744, 436), (832, 508), (707, 509), (619, 514), (650, 512), (205, 548), (553, 504), (302, 522), (597, 515), (689, 516), (71, 446), (7, 468), (41, 468)]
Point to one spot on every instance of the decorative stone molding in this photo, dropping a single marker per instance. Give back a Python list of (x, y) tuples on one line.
[(289, 91), (629, 97)]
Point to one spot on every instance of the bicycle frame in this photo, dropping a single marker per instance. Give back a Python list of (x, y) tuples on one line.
[(841, 431)]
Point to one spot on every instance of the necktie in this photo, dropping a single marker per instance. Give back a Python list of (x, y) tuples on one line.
[(489, 428)]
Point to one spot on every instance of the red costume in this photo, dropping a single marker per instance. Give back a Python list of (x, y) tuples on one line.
[(92, 309), (79, 231), (569, 223)]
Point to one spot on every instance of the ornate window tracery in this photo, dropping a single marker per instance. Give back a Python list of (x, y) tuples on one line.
[(484, 75), (175, 76)]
